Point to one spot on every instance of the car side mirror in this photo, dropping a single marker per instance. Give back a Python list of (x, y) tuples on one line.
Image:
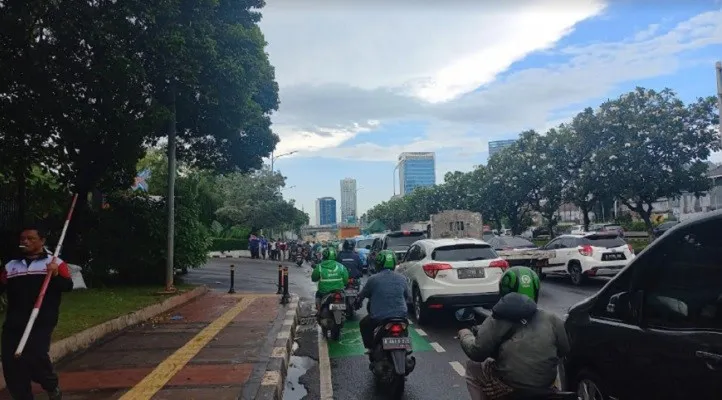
[(464, 314), (620, 305)]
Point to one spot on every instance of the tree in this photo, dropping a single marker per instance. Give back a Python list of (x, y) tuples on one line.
[(545, 157), (656, 146)]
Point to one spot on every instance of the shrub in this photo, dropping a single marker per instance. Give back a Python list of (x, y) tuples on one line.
[(228, 244), (129, 237)]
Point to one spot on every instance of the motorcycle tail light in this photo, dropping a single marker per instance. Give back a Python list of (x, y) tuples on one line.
[(337, 297), (395, 329)]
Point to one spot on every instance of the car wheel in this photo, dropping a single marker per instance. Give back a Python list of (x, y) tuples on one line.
[(589, 386), (575, 273), (421, 313)]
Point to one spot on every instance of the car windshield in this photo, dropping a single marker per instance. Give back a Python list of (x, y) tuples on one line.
[(463, 252), (402, 242), (603, 241), (361, 244)]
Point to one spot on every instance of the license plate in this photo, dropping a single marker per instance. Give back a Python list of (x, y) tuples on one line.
[(336, 306), (470, 273), (351, 292), (396, 343), (613, 256)]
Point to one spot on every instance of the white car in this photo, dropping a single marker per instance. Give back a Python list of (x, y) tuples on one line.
[(589, 254), (451, 273)]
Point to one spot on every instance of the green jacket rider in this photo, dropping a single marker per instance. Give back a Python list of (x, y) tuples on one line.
[(330, 275)]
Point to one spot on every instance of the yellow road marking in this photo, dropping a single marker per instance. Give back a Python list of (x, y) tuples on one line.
[(156, 380)]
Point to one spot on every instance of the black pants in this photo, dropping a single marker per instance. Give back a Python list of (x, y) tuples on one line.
[(367, 326), (33, 365)]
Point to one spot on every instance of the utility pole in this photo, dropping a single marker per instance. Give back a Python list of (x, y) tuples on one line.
[(169, 288), (718, 67)]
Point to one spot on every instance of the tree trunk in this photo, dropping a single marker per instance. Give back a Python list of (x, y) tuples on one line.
[(585, 215)]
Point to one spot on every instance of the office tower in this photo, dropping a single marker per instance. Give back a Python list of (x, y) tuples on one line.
[(497, 146), (325, 211), (348, 201), (416, 170)]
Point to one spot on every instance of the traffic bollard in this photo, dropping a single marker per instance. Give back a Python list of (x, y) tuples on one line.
[(285, 298), (280, 279), (233, 280)]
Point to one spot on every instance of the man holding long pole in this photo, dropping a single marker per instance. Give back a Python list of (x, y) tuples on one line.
[(22, 280)]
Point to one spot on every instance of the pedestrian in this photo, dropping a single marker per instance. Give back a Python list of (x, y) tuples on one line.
[(22, 279), (282, 248), (254, 243), (274, 249), (264, 246)]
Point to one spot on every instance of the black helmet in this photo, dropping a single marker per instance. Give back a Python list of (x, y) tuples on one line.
[(348, 245)]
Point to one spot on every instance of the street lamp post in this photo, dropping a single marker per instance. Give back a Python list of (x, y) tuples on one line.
[(718, 67), (274, 158)]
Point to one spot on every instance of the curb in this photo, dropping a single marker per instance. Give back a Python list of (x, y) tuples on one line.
[(84, 339), (274, 379)]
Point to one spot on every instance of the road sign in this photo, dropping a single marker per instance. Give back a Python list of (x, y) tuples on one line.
[(141, 181)]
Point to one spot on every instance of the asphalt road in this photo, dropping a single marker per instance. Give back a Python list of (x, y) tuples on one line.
[(322, 370)]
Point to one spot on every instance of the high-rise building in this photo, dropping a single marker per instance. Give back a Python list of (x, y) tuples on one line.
[(499, 145), (416, 170), (325, 211), (348, 201)]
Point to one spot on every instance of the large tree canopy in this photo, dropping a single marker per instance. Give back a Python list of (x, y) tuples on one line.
[(643, 146)]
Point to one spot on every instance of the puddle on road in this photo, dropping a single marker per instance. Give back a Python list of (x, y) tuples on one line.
[(296, 369)]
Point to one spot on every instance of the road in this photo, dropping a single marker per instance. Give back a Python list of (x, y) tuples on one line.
[(440, 361), (341, 369)]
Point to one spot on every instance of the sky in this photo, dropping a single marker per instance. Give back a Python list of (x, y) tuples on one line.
[(362, 81)]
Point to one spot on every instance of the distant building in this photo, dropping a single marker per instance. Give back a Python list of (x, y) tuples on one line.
[(497, 146), (348, 200), (326, 211), (416, 170)]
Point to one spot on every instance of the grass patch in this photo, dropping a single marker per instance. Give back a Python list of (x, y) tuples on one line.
[(85, 308)]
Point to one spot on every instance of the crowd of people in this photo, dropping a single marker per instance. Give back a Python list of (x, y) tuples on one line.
[(272, 249)]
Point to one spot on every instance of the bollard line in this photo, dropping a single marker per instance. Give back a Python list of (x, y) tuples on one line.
[(233, 280)]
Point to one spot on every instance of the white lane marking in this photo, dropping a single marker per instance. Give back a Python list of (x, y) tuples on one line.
[(458, 368), (437, 347), (420, 332), (324, 368)]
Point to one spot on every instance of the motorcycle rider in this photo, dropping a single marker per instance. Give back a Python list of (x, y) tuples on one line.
[(330, 275), (388, 295), (519, 346), (350, 260)]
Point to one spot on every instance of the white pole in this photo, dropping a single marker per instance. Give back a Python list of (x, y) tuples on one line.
[(718, 67)]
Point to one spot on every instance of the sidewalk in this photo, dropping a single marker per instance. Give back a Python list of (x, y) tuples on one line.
[(217, 347)]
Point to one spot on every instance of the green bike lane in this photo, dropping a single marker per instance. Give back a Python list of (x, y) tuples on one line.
[(435, 375)]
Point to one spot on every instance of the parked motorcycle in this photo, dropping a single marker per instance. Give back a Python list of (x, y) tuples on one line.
[(478, 313), (352, 289), (332, 315), (391, 359), (299, 259)]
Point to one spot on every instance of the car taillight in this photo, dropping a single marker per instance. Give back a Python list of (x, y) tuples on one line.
[(503, 264), (431, 270), (631, 249), (586, 250), (395, 329)]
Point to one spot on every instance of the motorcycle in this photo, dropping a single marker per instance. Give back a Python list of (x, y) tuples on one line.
[(299, 259), (332, 314), (471, 315), (391, 359), (352, 289)]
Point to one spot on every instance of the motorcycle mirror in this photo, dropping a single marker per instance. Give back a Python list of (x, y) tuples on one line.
[(464, 315)]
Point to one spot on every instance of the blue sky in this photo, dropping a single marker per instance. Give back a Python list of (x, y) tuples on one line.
[(359, 86)]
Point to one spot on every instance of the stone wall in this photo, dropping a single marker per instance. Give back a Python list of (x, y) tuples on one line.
[(456, 223)]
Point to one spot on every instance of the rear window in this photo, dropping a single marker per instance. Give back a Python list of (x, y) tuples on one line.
[(398, 241), (463, 252), (603, 241), (515, 242), (361, 244)]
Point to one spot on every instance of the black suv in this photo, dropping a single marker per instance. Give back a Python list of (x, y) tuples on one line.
[(655, 330), (399, 242)]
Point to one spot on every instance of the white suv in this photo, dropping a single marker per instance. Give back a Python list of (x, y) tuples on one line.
[(451, 273), (590, 254)]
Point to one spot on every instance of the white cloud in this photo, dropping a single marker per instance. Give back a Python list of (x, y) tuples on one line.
[(334, 94)]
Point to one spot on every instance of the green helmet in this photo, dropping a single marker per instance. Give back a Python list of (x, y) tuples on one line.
[(522, 280), (329, 253), (386, 259)]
